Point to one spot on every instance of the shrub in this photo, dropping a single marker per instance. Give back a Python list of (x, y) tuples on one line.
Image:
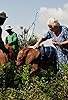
[(43, 85)]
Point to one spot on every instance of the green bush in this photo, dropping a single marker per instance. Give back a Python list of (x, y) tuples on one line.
[(43, 85)]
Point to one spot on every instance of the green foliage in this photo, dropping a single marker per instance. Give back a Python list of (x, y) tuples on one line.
[(32, 41), (7, 74), (26, 42), (43, 85)]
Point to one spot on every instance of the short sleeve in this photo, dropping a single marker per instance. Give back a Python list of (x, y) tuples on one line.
[(48, 35)]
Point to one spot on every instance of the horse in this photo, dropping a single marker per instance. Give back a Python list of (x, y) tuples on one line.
[(28, 56), (34, 58), (5, 57)]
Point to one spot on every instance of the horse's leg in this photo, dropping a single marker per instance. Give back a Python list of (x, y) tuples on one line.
[(34, 68)]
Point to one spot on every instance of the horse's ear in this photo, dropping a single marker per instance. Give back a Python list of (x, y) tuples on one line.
[(29, 57), (32, 55)]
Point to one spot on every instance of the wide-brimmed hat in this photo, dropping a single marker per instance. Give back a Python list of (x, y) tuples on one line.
[(53, 22), (3, 14), (8, 27)]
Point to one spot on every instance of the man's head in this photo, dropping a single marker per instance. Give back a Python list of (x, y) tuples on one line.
[(3, 17), (53, 24)]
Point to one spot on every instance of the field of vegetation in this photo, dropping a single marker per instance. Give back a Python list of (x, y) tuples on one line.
[(43, 85)]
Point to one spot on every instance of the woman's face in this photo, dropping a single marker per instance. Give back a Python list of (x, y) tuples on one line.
[(55, 29)]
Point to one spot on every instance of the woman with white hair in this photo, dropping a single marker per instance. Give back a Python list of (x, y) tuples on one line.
[(59, 35)]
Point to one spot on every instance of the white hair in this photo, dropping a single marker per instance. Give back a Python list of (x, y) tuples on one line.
[(53, 22)]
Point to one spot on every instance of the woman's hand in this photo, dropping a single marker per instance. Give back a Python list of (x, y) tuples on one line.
[(56, 43), (36, 46)]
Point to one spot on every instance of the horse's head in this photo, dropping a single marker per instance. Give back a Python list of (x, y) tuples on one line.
[(27, 55), (21, 56)]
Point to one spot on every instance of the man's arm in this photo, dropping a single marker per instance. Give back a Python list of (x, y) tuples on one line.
[(6, 40)]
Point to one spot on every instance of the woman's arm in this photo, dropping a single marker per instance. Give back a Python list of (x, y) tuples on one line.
[(60, 43), (41, 39)]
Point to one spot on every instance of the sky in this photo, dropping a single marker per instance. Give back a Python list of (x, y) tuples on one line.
[(23, 13)]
